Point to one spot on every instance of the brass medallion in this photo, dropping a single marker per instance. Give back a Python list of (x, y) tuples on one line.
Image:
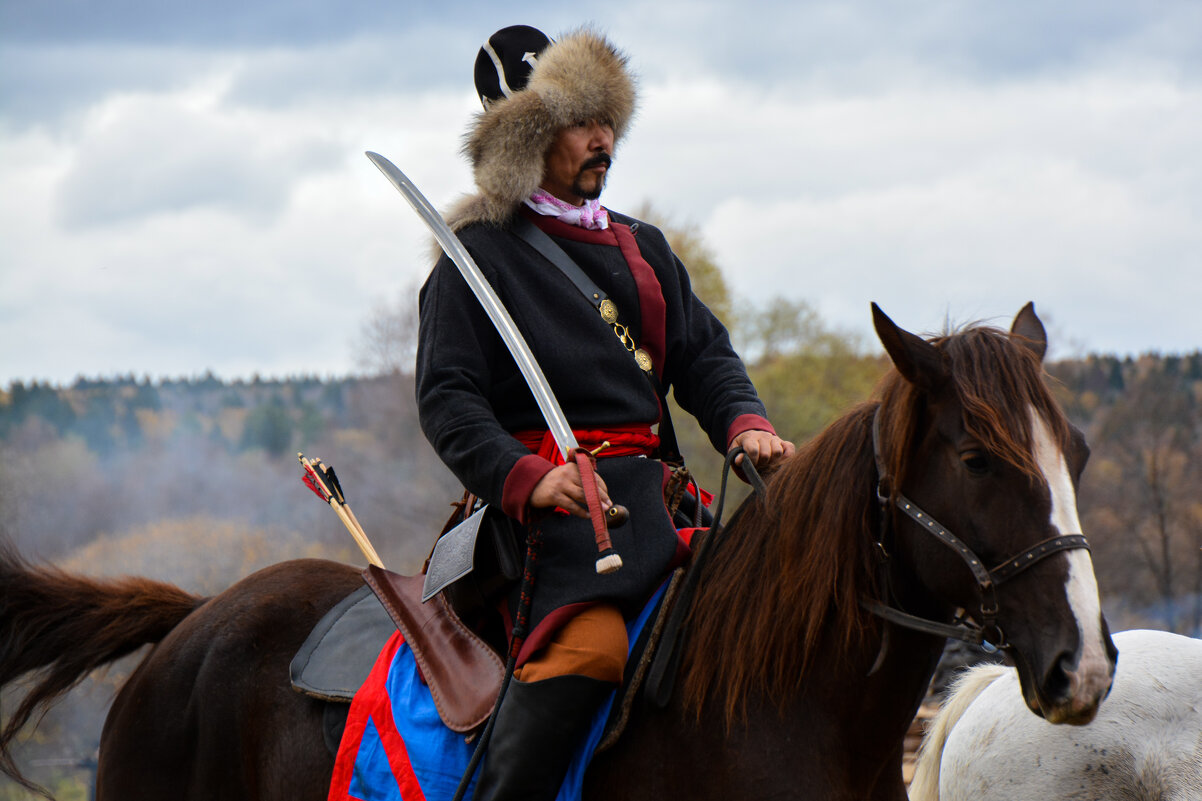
[(643, 358), (609, 311)]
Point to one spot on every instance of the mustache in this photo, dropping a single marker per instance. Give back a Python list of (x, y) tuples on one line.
[(599, 160)]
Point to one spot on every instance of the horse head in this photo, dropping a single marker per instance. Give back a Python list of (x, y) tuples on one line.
[(980, 468)]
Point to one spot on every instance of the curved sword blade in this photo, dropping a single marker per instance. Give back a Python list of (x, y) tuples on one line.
[(547, 404)]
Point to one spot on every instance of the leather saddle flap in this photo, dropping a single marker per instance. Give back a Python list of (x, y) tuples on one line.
[(464, 675)]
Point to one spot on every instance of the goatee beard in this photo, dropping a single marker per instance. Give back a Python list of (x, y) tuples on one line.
[(589, 194), (599, 160)]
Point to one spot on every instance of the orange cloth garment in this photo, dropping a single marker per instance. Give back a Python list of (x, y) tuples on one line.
[(593, 644)]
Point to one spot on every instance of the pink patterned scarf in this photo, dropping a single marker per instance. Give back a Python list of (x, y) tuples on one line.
[(591, 214)]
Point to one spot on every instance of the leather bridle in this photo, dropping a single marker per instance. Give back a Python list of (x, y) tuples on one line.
[(982, 627)]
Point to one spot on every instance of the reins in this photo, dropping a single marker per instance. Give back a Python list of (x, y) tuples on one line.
[(981, 628), (661, 678)]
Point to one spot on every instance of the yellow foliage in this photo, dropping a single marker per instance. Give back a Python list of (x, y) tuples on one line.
[(690, 247), (1105, 472), (157, 425), (67, 457), (230, 421), (202, 554)]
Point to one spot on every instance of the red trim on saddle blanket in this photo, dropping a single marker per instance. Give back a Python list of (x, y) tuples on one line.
[(371, 703)]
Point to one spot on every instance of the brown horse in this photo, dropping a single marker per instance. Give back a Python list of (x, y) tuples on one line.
[(792, 685)]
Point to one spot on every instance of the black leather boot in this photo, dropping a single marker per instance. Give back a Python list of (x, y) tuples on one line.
[(539, 726)]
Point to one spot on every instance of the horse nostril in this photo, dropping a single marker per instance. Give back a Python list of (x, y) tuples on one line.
[(1058, 683)]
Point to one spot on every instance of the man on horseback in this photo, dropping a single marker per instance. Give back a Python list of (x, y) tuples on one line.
[(541, 151)]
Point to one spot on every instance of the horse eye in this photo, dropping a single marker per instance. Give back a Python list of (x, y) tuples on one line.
[(975, 461)]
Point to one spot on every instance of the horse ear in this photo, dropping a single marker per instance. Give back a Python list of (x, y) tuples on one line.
[(1029, 332), (919, 362)]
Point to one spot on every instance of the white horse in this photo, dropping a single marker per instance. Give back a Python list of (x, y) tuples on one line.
[(1144, 745)]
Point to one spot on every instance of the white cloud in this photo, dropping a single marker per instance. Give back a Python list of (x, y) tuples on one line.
[(218, 213), (946, 199), (255, 242), (163, 153)]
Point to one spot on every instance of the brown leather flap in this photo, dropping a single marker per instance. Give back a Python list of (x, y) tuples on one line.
[(464, 675)]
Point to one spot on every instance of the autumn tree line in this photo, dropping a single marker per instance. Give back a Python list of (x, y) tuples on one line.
[(149, 471), (166, 464)]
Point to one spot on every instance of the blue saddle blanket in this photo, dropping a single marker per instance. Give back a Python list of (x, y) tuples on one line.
[(396, 748)]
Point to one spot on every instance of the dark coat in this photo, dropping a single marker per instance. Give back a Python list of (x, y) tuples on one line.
[(472, 397)]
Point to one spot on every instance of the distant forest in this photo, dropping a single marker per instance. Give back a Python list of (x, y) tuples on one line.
[(125, 474)]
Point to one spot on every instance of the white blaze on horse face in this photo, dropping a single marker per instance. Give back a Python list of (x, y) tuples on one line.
[(1091, 678)]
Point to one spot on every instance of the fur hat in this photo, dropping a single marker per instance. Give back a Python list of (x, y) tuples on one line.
[(581, 77)]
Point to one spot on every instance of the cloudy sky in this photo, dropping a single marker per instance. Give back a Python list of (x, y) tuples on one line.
[(184, 187)]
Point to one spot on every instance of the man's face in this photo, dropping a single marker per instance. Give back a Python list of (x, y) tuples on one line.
[(578, 161)]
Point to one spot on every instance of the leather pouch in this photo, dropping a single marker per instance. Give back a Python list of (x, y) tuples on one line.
[(464, 675)]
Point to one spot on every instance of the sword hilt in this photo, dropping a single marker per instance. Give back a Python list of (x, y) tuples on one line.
[(608, 560)]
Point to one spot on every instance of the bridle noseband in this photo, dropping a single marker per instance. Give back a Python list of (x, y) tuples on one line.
[(980, 628)]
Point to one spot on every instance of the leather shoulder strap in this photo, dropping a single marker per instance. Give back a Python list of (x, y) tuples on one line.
[(538, 239)]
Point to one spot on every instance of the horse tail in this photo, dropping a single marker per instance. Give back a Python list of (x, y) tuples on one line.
[(60, 627), (925, 784)]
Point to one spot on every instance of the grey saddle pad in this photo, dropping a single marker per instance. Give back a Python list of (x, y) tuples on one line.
[(342, 648)]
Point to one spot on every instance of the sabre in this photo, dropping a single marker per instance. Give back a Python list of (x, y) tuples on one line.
[(608, 560)]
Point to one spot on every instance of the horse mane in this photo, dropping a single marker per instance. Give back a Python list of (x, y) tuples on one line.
[(795, 565)]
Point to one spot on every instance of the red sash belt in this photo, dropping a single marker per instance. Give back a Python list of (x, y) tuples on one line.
[(632, 440)]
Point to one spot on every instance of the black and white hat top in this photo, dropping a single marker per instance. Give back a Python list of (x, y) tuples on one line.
[(504, 63)]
